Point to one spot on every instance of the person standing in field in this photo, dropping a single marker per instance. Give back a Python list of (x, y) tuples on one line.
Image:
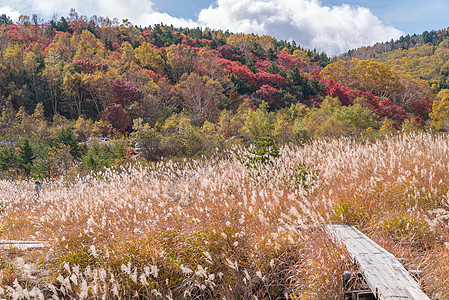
[(37, 188)]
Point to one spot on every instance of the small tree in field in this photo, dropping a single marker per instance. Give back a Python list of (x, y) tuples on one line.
[(263, 153), (66, 136), (26, 157)]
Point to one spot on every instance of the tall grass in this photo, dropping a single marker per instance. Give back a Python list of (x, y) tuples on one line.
[(215, 229)]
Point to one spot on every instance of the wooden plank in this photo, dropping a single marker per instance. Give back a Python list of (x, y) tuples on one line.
[(384, 274)]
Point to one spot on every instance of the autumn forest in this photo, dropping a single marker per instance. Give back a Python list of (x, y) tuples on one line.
[(180, 92)]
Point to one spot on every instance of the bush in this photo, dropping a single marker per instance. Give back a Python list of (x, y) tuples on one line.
[(8, 159), (67, 137), (263, 152), (101, 157), (26, 157), (303, 177)]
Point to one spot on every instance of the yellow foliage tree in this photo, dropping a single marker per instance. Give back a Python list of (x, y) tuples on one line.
[(376, 78), (440, 111), (13, 57), (88, 47), (259, 123), (52, 75), (180, 60), (409, 126), (99, 87), (150, 58), (83, 128), (62, 45), (387, 127), (302, 55), (39, 123), (283, 128)]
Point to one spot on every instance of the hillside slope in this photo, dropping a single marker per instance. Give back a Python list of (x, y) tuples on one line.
[(424, 56), (80, 67), (177, 92)]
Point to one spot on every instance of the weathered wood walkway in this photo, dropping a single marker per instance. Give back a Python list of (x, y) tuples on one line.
[(23, 245), (383, 272)]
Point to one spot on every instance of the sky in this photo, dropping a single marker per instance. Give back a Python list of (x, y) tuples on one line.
[(332, 26)]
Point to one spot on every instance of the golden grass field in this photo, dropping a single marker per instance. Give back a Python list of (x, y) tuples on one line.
[(215, 229)]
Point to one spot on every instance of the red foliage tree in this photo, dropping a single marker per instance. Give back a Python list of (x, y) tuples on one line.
[(264, 78), (151, 74), (125, 92), (345, 94), (116, 116), (394, 112), (423, 108), (147, 33), (115, 46), (382, 107), (20, 34), (243, 72), (205, 41), (266, 92), (80, 25), (262, 65), (289, 62), (188, 41), (226, 63), (226, 52)]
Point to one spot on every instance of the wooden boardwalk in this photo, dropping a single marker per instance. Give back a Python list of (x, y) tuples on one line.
[(23, 245), (383, 273)]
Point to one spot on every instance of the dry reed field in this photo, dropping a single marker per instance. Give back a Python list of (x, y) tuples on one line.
[(215, 229)]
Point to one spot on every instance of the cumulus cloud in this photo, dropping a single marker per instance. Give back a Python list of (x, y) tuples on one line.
[(139, 12), (10, 12), (331, 29)]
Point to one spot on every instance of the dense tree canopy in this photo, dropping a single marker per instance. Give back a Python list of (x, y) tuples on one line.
[(190, 87)]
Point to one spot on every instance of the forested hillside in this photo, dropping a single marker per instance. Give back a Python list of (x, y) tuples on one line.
[(424, 56), (67, 84), (78, 67)]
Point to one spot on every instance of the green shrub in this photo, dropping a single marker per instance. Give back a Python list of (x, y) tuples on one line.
[(26, 156), (99, 157), (263, 152), (68, 138), (8, 159), (300, 132), (302, 176)]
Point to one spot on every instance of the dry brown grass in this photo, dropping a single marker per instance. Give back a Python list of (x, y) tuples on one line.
[(215, 229)]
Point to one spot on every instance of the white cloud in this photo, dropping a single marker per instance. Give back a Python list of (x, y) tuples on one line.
[(157, 18), (331, 29), (139, 12), (10, 12)]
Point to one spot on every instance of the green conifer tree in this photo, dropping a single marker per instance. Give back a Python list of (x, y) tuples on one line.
[(26, 156)]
